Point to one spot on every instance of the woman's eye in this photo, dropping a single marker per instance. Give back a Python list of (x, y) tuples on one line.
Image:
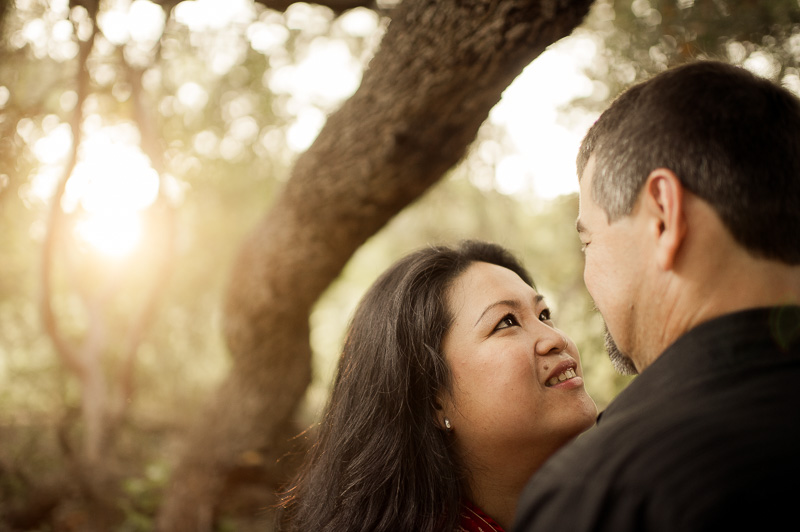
[(545, 315), (508, 321)]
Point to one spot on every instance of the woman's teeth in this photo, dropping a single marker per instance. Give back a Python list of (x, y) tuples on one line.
[(569, 374)]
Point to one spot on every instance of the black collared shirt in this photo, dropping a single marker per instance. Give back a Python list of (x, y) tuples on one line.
[(706, 438)]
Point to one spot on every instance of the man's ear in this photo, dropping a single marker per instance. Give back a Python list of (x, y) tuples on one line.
[(664, 202)]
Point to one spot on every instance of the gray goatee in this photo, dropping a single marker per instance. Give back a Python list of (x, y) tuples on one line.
[(621, 362)]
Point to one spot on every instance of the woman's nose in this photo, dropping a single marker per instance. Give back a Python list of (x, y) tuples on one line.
[(551, 342)]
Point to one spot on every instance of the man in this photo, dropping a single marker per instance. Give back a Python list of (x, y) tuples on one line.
[(690, 221)]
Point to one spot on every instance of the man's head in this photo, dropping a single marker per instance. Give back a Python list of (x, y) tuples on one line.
[(716, 134)]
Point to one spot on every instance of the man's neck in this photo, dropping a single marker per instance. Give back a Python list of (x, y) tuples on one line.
[(686, 302)]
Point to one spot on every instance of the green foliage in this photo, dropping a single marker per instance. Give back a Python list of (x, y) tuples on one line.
[(639, 38), (224, 136), (142, 498), (225, 118)]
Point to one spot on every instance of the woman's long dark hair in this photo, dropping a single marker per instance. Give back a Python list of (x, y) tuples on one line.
[(381, 461)]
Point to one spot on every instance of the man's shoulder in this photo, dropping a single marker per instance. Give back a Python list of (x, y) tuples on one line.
[(611, 450), (679, 450), (646, 432)]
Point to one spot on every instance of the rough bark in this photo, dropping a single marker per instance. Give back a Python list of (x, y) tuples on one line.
[(442, 66)]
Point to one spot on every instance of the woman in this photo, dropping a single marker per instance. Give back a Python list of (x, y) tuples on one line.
[(453, 387)]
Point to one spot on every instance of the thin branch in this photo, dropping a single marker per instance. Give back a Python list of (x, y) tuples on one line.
[(65, 350), (153, 149), (146, 313), (95, 391)]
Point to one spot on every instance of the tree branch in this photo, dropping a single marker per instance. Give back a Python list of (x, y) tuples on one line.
[(164, 253), (67, 352), (441, 67)]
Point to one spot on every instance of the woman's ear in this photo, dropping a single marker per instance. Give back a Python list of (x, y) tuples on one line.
[(443, 406)]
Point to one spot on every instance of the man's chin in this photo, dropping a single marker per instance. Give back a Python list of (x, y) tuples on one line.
[(621, 362)]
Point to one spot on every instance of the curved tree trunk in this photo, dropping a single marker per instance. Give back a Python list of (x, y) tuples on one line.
[(442, 66)]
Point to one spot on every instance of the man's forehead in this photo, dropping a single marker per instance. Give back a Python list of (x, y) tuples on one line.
[(590, 214), (584, 193), (587, 171)]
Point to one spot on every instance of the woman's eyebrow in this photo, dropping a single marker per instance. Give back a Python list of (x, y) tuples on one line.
[(513, 303)]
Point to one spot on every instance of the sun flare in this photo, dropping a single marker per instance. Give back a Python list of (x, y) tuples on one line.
[(112, 184), (114, 235)]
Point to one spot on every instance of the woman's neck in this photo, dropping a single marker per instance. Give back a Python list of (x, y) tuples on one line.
[(495, 484), (500, 506)]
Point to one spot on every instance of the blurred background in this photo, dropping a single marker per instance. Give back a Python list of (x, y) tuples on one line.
[(125, 262)]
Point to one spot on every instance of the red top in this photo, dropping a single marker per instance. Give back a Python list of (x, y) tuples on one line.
[(473, 519)]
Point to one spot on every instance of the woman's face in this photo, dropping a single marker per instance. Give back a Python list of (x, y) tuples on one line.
[(517, 380)]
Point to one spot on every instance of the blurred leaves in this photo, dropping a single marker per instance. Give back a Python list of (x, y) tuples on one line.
[(236, 99), (638, 38)]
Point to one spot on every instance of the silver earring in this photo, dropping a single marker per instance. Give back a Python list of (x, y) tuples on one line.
[(447, 425)]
